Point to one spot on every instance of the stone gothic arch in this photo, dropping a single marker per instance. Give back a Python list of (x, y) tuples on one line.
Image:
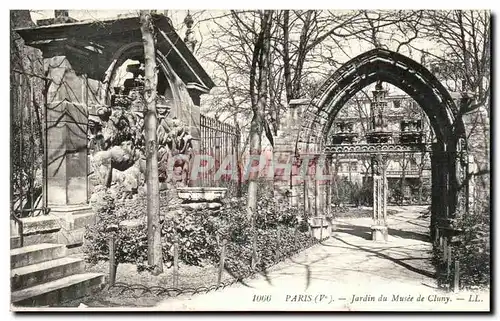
[(449, 152)]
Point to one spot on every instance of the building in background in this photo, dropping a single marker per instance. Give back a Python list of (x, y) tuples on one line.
[(408, 174)]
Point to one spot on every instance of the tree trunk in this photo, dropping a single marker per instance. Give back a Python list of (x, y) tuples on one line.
[(261, 52), (255, 149), (155, 257)]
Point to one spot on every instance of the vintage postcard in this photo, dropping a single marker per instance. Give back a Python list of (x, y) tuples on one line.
[(250, 160)]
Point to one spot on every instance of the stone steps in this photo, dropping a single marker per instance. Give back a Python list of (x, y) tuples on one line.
[(36, 253), (57, 291), (26, 276), (44, 274), (51, 229)]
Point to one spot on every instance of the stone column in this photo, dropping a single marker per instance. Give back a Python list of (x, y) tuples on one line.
[(471, 185), (379, 227), (66, 148), (440, 191), (295, 182), (384, 189), (328, 186), (319, 185), (67, 119)]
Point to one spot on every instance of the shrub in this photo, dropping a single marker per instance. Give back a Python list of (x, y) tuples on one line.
[(195, 243), (472, 250), (199, 234)]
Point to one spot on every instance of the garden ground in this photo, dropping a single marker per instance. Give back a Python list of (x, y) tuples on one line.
[(346, 272)]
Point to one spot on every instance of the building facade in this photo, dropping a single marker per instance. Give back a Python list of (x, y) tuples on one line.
[(408, 174)]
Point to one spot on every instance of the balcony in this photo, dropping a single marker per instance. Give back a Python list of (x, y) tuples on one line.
[(344, 133), (411, 132)]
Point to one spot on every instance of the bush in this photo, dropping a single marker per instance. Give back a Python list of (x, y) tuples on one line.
[(472, 250), (363, 195), (195, 243), (199, 234)]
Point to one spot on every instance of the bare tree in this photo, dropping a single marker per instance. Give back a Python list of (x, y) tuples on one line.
[(155, 256), (462, 63)]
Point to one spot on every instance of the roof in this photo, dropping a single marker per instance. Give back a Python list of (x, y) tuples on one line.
[(100, 39)]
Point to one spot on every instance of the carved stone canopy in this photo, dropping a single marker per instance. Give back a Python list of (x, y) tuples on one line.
[(91, 47)]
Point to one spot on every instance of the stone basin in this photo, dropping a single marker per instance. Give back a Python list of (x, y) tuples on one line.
[(201, 194), (318, 230), (318, 221)]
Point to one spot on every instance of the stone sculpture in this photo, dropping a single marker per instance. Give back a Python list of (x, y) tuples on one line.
[(119, 160)]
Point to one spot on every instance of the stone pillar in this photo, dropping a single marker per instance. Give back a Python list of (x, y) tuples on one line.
[(66, 153), (379, 227), (307, 190), (66, 150), (285, 143), (461, 181), (471, 184), (384, 190), (328, 186), (319, 185), (295, 182), (440, 191)]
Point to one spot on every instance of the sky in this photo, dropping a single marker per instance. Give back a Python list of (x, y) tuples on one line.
[(202, 28)]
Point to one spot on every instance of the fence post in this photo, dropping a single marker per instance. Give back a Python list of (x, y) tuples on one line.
[(456, 279), (445, 248), (448, 261), (278, 241), (222, 259), (295, 238), (321, 230), (176, 261), (112, 256)]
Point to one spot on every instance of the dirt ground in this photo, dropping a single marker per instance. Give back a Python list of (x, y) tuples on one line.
[(347, 272)]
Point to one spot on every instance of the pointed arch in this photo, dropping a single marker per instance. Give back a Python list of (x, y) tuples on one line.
[(391, 67)]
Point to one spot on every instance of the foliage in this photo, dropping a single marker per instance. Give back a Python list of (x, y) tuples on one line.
[(344, 191), (363, 195), (26, 116), (472, 250), (131, 243), (199, 233)]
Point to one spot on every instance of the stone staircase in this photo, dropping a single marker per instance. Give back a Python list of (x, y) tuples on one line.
[(43, 275)]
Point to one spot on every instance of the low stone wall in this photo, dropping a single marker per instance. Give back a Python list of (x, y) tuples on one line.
[(68, 229)]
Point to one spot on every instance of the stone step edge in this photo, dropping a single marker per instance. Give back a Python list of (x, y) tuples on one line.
[(19, 255), (48, 287), (33, 248), (41, 266)]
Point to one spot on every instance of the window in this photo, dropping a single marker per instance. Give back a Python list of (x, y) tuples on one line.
[(397, 103)]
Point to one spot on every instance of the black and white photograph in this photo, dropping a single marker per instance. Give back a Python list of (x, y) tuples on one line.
[(250, 160)]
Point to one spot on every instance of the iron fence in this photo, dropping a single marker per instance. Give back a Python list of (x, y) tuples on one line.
[(218, 141)]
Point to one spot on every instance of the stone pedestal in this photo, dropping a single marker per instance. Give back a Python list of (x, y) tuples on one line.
[(201, 198), (379, 233), (319, 228)]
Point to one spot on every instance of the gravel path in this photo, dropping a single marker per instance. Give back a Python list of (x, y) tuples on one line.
[(347, 272)]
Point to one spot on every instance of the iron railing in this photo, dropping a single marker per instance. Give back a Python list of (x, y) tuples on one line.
[(219, 141)]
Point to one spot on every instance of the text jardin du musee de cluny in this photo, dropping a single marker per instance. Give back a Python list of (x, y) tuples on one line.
[(323, 298)]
